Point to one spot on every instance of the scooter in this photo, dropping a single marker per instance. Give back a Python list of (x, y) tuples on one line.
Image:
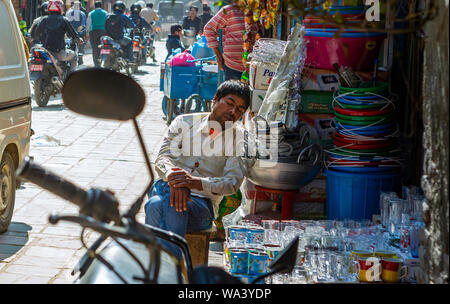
[(113, 57), (132, 252)]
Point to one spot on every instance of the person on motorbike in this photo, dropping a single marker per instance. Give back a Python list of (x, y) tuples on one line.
[(149, 14), (115, 26), (43, 9), (140, 22), (174, 40), (51, 30), (192, 183)]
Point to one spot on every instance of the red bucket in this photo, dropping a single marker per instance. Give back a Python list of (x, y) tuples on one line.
[(356, 50)]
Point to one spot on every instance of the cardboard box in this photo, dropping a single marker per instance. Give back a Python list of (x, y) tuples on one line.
[(324, 124), (328, 80), (316, 102), (261, 75), (257, 99)]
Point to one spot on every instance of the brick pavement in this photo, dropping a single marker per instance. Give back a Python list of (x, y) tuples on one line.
[(91, 153)]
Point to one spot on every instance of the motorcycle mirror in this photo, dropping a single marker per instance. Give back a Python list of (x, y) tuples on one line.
[(104, 94)]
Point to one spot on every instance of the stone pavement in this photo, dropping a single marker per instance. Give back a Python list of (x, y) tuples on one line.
[(90, 153)]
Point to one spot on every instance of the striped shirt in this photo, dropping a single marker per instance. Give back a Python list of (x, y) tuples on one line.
[(232, 24)]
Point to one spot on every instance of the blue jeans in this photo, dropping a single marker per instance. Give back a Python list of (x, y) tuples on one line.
[(231, 74), (158, 213)]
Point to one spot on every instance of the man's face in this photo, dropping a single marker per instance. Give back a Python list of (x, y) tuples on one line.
[(193, 12), (231, 107)]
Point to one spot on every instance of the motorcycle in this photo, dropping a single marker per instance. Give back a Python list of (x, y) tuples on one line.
[(139, 54), (149, 38), (72, 45), (47, 74), (113, 57), (132, 251)]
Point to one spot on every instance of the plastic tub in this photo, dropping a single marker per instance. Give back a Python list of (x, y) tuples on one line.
[(355, 195), (357, 50)]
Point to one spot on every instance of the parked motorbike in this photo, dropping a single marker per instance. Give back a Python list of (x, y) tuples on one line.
[(113, 57), (132, 251)]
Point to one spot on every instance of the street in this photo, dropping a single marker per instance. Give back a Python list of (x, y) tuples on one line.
[(90, 153)]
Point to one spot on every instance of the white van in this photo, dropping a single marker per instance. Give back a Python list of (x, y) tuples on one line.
[(15, 109)]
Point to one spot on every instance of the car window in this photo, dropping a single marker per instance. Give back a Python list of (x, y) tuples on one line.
[(8, 43)]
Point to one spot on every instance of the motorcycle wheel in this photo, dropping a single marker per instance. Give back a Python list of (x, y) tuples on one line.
[(193, 104), (41, 92), (7, 190)]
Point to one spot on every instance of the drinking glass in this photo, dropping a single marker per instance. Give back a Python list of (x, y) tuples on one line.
[(395, 214), (299, 275), (384, 206), (415, 239), (405, 240)]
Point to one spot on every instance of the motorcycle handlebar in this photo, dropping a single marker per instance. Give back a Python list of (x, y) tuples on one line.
[(49, 181)]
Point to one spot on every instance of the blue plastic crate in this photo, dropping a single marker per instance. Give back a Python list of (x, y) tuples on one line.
[(180, 82)]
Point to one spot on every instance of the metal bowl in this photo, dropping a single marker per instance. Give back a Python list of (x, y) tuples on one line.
[(286, 174)]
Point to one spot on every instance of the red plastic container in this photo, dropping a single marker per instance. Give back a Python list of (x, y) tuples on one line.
[(356, 50)]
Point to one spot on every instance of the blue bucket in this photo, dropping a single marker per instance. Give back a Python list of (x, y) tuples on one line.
[(355, 195)]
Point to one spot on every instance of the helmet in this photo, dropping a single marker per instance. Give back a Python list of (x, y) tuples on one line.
[(135, 8), (55, 6), (141, 3), (119, 6), (44, 9)]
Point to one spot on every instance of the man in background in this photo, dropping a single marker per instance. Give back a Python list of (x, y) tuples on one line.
[(192, 22), (229, 19), (149, 14), (174, 40), (206, 16), (96, 27)]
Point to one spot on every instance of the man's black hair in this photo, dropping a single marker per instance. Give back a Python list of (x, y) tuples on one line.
[(98, 4), (206, 8), (235, 87), (194, 7), (175, 27), (150, 5)]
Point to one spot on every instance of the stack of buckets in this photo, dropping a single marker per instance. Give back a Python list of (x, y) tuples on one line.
[(365, 159)]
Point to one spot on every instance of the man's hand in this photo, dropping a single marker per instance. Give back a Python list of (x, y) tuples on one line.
[(219, 58), (180, 178), (179, 197)]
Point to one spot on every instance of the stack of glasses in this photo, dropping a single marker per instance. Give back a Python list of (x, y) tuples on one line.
[(329, 251)]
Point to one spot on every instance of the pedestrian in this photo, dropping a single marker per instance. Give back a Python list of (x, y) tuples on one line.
[(96, 26), (51, 31), (149, 14), (190, 187), (192, 22), (22, 24), (229, 19), (206, 16), (174, 40)]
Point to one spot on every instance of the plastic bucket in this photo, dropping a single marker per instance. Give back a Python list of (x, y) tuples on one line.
[(356, 195), (357, 50)]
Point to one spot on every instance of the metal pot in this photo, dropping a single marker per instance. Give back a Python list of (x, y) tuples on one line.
[(286, 173)]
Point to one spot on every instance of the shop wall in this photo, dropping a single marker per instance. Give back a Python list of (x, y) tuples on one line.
[(435, 258)]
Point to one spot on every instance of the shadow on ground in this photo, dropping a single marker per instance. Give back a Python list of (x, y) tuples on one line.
[(51, 107), (14, 239)]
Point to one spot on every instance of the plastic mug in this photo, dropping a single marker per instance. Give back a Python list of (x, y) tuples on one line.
[(393, 270), (369, 269)]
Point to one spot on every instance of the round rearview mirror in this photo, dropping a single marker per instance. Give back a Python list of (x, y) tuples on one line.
[(103, 93)]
